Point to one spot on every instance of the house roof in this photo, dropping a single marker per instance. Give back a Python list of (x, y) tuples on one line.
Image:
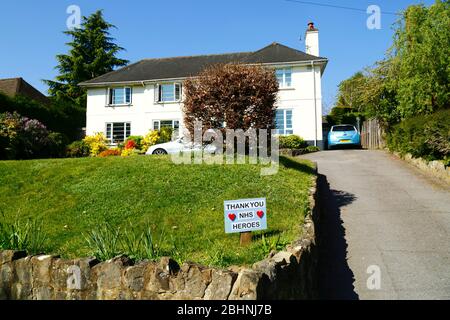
[(182, 67), (18, 86)]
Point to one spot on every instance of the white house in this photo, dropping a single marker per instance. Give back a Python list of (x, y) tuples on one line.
[(148, 94)]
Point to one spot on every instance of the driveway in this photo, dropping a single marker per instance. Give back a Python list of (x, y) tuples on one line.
[(381, 214)]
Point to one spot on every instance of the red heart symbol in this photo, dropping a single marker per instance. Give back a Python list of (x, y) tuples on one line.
[(232, 216), (260, 214)]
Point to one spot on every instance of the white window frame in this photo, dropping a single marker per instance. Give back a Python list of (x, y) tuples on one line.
[(158, 92), (285, 126), (159, 123), (125, 103), (283, 82), (110, 138)]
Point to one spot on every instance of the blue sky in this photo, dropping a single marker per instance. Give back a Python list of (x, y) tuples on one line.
[(31, 31)]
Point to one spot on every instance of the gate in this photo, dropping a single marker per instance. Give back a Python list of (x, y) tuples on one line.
[(372, 135)]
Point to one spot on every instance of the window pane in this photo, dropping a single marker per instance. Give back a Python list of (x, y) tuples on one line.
[(287, 77), (127, 95), (176, 124), (155, 125), (167, 92), (166, 124), (177, 91), (279, 73), (118, 96), (344, 128), (111, 96), (288, 118), (108, 131), (118, 132), (279, 119), (128, 130)]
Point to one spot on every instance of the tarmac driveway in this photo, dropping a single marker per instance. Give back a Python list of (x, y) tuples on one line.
[(381, 214)]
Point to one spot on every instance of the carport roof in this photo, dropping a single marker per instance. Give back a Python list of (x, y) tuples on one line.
[(182, 67)]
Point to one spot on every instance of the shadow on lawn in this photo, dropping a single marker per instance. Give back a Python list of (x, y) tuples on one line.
[(335, 276), (292, 164)]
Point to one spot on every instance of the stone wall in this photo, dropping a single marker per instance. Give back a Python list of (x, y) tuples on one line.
[(436, 169), (290, 274)]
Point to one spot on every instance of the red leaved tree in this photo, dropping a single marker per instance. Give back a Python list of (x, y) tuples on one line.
[(231, 96)]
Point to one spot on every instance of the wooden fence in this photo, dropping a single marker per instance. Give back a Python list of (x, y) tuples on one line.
[(372, 135)]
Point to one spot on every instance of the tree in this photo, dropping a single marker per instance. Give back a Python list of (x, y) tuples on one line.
[(232, 96), (92, 54), (421, 57), (413, 79), (350, 92)]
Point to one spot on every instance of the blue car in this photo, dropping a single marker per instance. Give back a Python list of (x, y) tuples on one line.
[(344, 135)]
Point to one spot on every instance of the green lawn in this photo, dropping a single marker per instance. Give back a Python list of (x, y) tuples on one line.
[(184, 203)]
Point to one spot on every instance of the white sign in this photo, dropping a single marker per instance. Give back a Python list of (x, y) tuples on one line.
[(245, 215)]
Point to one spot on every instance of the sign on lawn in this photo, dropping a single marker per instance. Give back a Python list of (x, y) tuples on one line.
[(245, 215)]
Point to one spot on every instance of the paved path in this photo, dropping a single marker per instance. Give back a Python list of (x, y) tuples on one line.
[(378, 210)]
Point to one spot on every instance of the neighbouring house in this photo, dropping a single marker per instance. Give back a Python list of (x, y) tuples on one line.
[(148, 94), (17, 86)]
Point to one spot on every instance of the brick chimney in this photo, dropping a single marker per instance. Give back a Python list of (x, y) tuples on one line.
[(312, 40)]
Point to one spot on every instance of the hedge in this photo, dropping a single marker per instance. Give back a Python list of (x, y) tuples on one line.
[(426, 137)]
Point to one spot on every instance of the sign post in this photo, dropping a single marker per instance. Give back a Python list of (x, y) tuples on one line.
[(245, 216), (246, 238)]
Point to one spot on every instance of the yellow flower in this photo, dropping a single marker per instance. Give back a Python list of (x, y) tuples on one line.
[(150, 139), (97, 143)]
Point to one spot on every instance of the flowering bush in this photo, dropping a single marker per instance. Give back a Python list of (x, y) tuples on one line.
[(156, 136), (150, 139), (129, 152), (24, 138), (9, 129), (137, 140), (96, 143), (110, 153), (131, 144)]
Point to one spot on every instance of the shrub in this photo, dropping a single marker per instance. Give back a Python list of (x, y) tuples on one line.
[(57, 143), (239, 96), (109, 153), (156, 136), (165, 135), (130, 152), (23, 138), (56, 115), (130, 145), (425, 137), (150, 139), (292, 142), (77, 149), (96, 143), (10, 124), (310, 149)]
